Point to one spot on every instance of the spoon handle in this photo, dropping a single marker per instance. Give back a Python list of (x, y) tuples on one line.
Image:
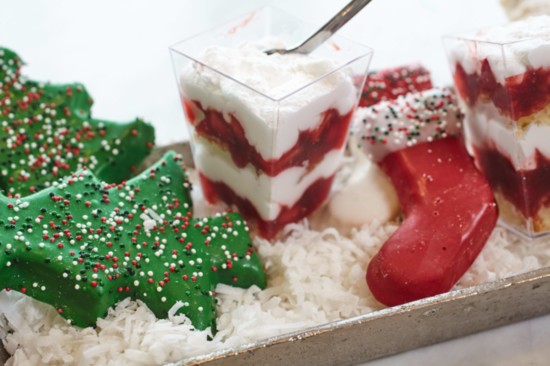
[(324, 33)]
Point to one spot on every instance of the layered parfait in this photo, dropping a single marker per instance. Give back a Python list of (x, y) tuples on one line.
[(502, 76), (268, 131)]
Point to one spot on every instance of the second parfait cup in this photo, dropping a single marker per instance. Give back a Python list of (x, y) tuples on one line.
[(502, 76), (268, 131)]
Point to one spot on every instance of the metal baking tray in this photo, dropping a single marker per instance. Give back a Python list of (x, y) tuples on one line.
[(392, 330), (400, 328)]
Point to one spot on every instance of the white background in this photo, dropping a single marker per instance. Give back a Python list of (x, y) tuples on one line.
[(119, 50)]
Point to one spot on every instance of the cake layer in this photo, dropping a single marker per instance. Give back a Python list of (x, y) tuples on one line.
[(274, 97), (511, 216), (269, 195), (311, 146), (486, 127)]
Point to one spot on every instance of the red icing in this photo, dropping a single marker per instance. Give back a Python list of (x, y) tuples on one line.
[(312, 199), (449, 214), (388, 84), (520, 96), (527, 190), (311, 147)]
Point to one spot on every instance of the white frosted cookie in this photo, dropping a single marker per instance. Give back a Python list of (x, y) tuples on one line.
[(520, 9)]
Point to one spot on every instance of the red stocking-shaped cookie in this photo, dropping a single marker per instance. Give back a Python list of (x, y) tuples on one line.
[(447, 203)]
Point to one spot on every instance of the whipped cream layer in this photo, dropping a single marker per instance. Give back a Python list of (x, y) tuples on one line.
[(485, 126), (510, 49), (390, 126), (273, 97), (267, 194)]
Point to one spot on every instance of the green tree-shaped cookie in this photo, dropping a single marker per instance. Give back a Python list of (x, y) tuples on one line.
[(46, 132), (83, 245)]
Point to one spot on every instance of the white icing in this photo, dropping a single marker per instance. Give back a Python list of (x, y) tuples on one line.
[(539, 56), (273, 97), (367, 197), (267, 194), (407, 114), (486, 127), (510, 48)]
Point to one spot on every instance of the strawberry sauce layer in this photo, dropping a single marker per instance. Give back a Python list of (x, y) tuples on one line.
[(312, 199), (520, 96), (311, 147), (527, 190)]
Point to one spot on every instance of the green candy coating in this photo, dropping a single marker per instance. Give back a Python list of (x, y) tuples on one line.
[(46, 132), (83, 245)]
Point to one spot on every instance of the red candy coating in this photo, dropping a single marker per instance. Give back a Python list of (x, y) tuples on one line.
[(449, 214)]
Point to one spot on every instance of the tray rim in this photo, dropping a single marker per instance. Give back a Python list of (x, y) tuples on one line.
[(426, 304)]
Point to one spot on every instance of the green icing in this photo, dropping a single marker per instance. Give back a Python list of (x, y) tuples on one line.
[(83, 245), (46, 132)]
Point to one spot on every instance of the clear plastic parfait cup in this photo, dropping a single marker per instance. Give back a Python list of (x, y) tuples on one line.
[(268, 132), (502, 78)]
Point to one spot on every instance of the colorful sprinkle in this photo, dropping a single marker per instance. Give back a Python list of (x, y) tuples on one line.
[(415, 118), (47, 132), (83, 245)]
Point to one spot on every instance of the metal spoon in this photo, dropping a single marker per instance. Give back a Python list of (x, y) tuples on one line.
[(327, 30)]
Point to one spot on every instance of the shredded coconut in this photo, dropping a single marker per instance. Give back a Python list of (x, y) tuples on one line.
[(315, 275)]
